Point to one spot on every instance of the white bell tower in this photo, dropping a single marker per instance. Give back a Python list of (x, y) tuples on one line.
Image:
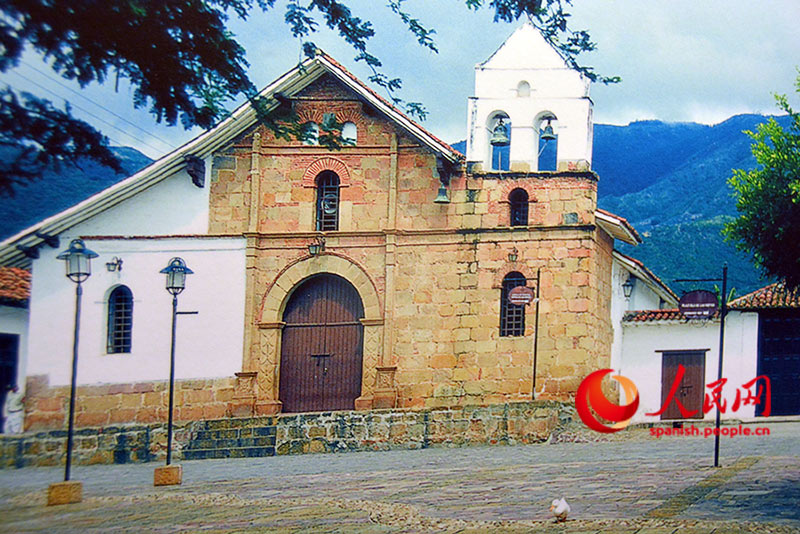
[(528, 86)]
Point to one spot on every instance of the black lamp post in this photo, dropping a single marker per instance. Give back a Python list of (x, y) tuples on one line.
[(176, 271), (79, 267)]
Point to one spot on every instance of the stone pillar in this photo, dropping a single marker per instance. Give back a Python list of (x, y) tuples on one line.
[(244, 395), (269, 349), (250, 354), (373, 332), (255, 183)]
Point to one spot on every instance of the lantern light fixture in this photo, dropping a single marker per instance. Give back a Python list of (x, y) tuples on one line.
[(114, 265), (78, 260), (627, 286), (513, 256), (176, 271), (317, 246)]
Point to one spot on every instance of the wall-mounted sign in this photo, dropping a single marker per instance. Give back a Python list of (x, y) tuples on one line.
[(698, 304), (521, 296)]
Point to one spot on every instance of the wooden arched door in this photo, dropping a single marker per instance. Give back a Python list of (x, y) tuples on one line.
[(322, 346)]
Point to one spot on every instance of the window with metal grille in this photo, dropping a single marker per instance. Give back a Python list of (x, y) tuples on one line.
[(512, 317), (327, 201), (518, 201), (120, 320)]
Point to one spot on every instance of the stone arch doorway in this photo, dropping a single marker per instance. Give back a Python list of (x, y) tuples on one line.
[(321, 346)]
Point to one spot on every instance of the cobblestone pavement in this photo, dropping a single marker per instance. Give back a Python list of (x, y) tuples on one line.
[(634, 483)]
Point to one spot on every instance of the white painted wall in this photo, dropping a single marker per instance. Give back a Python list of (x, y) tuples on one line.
[(208, 344), (174, 206), (15, 321), (642, 298), (554, 88), (641, 362)]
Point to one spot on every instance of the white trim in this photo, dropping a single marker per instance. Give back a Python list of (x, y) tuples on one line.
[(616, 228)]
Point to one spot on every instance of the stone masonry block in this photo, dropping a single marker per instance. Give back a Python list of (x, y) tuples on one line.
[(69, 492), (168, 475)]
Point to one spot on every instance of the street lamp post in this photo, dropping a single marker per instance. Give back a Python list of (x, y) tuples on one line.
[(78, 261), (176, 271)]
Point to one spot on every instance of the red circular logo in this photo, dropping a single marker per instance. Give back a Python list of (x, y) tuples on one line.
[(590, 394)]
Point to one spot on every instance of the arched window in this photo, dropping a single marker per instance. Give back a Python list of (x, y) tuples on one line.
[(311, 134), (518, 207), (327, 201), (523, 89), (512, 316), (350, 132), (120, 320)]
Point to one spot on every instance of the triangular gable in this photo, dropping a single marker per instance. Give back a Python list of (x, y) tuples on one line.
[(209, 142), (526, 48)]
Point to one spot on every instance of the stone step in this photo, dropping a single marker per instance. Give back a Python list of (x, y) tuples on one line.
[(239, 452), (266, 441), (233, 433), (241, 422)]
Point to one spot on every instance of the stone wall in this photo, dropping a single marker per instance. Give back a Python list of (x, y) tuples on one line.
[(113, 404), (294, 434)]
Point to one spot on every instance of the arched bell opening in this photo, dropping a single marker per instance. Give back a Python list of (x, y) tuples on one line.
[(499, 129), (546, 126)]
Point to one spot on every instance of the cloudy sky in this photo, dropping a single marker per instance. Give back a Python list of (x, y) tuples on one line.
[(683, 60)]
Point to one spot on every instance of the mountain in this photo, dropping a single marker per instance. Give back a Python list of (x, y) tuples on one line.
[(669, 180), (59, 189)]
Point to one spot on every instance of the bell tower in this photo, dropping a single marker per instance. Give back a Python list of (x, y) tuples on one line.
[(526, 100)]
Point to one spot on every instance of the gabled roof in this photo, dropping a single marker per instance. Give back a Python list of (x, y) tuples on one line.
[(207, 143), (648, 277), (15, 287), (773, 296), (617, 227)]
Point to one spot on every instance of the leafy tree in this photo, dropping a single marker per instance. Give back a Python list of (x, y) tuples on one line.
[(768, 198), (183, 63)]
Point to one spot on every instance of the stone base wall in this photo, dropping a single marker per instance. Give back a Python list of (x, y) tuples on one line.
[(524, 422), (114, 404), (511, 423)]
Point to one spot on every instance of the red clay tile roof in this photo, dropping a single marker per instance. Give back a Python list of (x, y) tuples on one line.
[(15, 286), (773, 296), (645, 316)]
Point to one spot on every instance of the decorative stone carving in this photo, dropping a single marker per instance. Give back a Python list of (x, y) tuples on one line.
[(385, 388)]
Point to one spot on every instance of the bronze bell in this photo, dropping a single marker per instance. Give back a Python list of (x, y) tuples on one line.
[(547, 133), (442, 198), (500, 135)]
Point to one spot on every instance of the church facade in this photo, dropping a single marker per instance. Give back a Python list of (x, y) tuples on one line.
[(375, 276)]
